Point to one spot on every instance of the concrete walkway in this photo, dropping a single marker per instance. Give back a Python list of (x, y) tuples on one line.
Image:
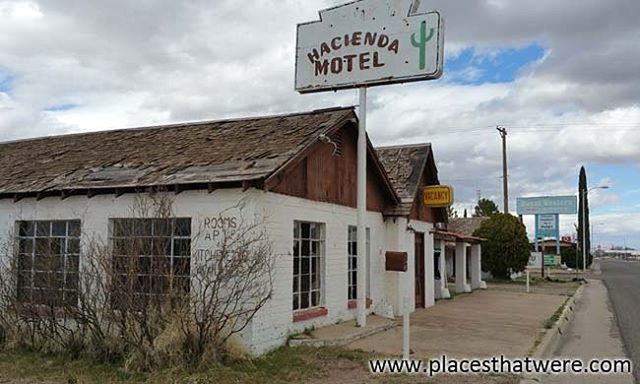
[(343, 333), (593, 333), (482, 324)]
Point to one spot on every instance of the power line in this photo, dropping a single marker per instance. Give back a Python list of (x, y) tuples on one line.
[(536, 129)]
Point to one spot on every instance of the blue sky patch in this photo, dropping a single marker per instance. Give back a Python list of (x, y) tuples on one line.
[(625, 182), (61, 107), (6, 79), (498, 66)]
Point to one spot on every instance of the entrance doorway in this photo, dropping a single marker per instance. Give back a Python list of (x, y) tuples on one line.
[(419, 273)]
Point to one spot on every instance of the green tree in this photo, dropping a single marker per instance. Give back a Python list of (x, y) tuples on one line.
[(570, 256), (486, 208), (507, 247), (583, 218)]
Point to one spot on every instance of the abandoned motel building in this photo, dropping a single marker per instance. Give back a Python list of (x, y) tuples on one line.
[(297, 170)]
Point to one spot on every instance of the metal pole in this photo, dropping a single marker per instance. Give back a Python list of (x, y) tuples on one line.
[(542, 268), (362, 210), (406, 341), (528, 277)]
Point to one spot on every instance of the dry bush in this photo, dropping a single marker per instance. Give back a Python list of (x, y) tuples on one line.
[(142, 297)]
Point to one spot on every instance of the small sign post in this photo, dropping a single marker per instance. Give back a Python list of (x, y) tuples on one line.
[(406, 329), (361, 44)]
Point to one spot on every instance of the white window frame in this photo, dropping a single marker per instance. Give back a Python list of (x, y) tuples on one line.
[(352, 259), (67, 267), (316, 236), (173, 254)]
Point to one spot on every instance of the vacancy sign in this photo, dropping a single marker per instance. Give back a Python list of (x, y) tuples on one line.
[(438, 196), (369, 42)]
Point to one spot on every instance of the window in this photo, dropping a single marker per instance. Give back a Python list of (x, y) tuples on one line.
[(151, 257), (48, 260), (308, 255), (352, 271)]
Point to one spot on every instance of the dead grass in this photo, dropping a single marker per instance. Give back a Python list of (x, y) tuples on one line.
[(286, 365), (282, 366)]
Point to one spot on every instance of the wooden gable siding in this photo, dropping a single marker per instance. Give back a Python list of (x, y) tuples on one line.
[(329, 174), (429, 177)]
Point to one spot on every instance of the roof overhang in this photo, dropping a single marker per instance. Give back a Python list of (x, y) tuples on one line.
[(439, 234)]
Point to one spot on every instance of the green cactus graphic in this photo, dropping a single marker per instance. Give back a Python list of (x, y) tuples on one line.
[(422, 43)]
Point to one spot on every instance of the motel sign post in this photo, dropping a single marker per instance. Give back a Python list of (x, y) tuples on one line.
[(361, 44)]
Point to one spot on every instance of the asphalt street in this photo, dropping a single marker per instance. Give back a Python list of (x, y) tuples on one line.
[(623, 282)]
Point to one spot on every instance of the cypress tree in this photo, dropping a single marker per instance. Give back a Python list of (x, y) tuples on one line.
[(582, 195)]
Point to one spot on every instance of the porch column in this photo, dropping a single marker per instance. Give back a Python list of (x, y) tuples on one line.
[(441, 290), (476, 267), (429, 271), (461, 268)]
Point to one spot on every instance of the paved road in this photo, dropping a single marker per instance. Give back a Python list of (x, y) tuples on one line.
[(623, 281)]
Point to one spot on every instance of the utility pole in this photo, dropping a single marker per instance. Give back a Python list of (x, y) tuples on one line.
[(505, 180)]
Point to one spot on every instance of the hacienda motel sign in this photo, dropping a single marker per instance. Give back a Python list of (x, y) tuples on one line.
[(361, 44), (367, 43)]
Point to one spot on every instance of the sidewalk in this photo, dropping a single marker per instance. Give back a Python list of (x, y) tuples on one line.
[(482, 324), (593, 333)]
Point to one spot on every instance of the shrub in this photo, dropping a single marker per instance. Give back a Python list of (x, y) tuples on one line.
[(188, 320), (507, 247), (569, 256)]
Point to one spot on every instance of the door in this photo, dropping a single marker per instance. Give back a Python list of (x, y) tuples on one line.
[(419, 263)]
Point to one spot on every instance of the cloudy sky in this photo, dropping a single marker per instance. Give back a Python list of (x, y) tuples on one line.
[(562, 76)]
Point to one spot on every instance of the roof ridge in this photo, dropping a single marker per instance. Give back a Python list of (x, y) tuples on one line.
[(184, 124), (402, 146)]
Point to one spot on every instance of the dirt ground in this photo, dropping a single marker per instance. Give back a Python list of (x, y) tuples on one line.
[(501, 320), (564, 287)]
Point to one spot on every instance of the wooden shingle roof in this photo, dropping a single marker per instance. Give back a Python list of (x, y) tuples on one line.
[(405, 166), (227, 151), (465, 225)]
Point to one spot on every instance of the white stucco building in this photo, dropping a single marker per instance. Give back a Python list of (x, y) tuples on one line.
[(297, 172)]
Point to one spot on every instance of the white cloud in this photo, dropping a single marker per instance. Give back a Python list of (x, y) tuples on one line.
[(19, 11), (130, 63)]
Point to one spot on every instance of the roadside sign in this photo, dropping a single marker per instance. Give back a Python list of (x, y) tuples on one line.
[(560, 205), (438, 196), (547, 226), (369, 42), (567, 239), (549, 260), (547, 222)]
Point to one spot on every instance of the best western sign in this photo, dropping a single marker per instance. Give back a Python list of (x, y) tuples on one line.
[(369, 42), (438, 196)]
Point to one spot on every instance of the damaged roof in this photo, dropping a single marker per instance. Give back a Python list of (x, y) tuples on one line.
[(405, 165), (192, 153), (465, 225)]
